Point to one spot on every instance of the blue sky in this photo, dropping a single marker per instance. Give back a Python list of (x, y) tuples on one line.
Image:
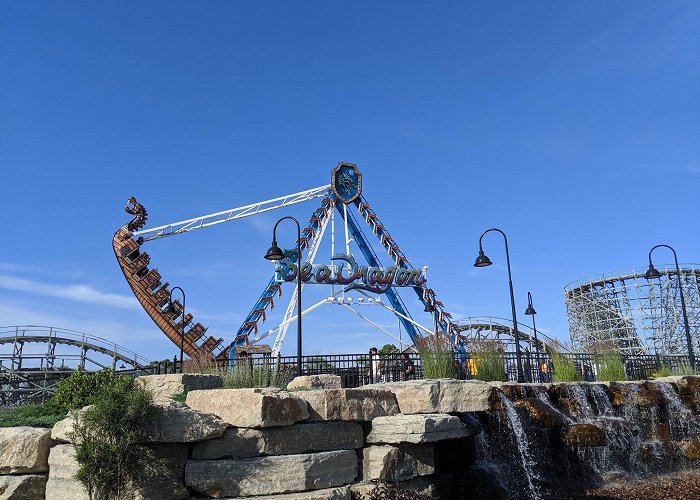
[(572, 126)]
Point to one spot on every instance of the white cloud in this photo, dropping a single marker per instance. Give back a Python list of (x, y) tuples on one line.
[(74, 292)]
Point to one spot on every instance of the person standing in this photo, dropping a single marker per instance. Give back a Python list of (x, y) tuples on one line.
[(375, 366), (409, 368)]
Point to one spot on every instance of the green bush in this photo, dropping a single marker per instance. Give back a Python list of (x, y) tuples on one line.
[(436, 356), (107, 434), (610, 366), (563, 369), (81, 389)]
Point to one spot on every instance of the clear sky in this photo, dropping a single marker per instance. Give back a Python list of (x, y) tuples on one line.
[(572, 126)]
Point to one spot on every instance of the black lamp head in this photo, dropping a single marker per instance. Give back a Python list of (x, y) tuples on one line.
[(274, 252), (170, 308), (482, 260), (429, 308), (652, 272), (530, 310)]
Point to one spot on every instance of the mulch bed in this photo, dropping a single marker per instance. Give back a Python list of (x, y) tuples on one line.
[(680, 487)]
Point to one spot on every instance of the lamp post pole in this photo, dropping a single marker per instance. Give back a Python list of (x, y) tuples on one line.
[(483, 261), (171, 309), (654, 273), (276, 253), (530, 311)]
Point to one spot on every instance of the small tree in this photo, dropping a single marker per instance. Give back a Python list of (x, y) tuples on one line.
[(106, 436)]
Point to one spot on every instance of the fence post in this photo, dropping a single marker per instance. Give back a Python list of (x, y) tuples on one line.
[(371, 368)]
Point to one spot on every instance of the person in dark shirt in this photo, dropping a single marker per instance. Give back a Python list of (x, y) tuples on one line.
[(409, 367)]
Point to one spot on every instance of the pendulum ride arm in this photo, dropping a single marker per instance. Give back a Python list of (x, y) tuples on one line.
[(372, 259), (230, 215), (425, 295), (308, 235)]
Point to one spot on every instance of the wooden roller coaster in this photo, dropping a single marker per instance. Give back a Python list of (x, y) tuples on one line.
[(154, 295)]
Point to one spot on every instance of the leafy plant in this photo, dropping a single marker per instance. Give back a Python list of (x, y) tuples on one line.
[(486, 362), (610, 366), (436, 356), (81, 389), (106, 437)]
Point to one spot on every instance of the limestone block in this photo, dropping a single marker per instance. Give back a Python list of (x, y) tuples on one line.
[(165, 386), (291, 440), (423, 428), (349, 404), (441, 396), (24, 450), (271, 475), (315, 382), (342, 493), (62, 484), (584, 435), (28, 486), (163, 474), (63, 429), (540, 412), (397, 463), (175, 422), (250, 407)]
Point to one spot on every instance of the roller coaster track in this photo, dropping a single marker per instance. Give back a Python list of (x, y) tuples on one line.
[(30, 357)]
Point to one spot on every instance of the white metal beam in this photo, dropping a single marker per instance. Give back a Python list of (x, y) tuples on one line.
[(229, 215)]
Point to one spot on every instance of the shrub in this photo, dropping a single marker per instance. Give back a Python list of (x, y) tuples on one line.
[(245, 375), (107, 434), (436, 356), (45, 415), (81, 389), (610, 366)]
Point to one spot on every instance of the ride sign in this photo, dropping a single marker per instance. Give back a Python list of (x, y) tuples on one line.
[(372, 279)]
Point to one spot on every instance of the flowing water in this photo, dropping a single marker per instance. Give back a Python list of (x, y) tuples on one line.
[(526, 460)]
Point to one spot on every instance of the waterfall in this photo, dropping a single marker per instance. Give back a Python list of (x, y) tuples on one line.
[(603, 406), (577, 393), (526, 460), (681, 421)]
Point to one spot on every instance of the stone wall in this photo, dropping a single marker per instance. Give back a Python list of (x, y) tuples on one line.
[(334, 443)]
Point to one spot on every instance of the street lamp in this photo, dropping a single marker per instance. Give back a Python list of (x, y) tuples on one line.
[(530, 311), (483, 261), (170, 309), (652, 273), (276, 253)]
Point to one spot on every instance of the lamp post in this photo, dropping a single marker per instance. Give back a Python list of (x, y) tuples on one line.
[(652, 273), (483, 261), (530, 311), (276, 253), (171, 309)]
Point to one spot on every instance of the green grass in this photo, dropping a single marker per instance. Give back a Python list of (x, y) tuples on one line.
[(245, 376), (45, 415)]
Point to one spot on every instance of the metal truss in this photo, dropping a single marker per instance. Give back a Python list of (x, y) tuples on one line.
[(633, 314), (230, 215), (501, 330), (33, 359)]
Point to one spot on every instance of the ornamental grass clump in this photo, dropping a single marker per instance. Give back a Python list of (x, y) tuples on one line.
[(436, 356), (244, 375), (610, 366), (563, 369), (486, 362)]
